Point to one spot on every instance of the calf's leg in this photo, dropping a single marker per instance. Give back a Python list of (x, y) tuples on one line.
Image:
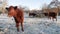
[(17, 26), (22, 27)]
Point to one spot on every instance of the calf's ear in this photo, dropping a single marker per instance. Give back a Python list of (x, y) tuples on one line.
[(15, 7), (7, 8)]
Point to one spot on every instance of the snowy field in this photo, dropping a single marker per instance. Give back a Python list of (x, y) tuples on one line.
[(31, 25)]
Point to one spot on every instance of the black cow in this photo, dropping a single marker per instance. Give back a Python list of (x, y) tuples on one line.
[(32, 14), (51, 15)]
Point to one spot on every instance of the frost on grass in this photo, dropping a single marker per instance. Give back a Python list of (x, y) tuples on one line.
[(31, 26)]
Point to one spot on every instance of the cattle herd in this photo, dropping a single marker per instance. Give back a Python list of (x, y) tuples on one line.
[(50, 15), (18, 14)]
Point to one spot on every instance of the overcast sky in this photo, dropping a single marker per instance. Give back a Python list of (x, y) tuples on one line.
[(32, 4)]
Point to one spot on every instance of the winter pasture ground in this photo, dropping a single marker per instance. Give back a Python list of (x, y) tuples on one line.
[(31, 25)]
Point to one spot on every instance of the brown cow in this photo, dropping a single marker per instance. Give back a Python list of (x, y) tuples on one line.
[(18, 15)]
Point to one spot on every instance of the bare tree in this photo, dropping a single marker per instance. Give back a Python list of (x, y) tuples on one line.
[(3, 4), (45, 6)]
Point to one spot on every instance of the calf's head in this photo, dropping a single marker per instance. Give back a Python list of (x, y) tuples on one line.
[(11, 11)]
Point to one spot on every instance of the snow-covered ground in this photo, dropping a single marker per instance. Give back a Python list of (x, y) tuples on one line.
[(31, 26)]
